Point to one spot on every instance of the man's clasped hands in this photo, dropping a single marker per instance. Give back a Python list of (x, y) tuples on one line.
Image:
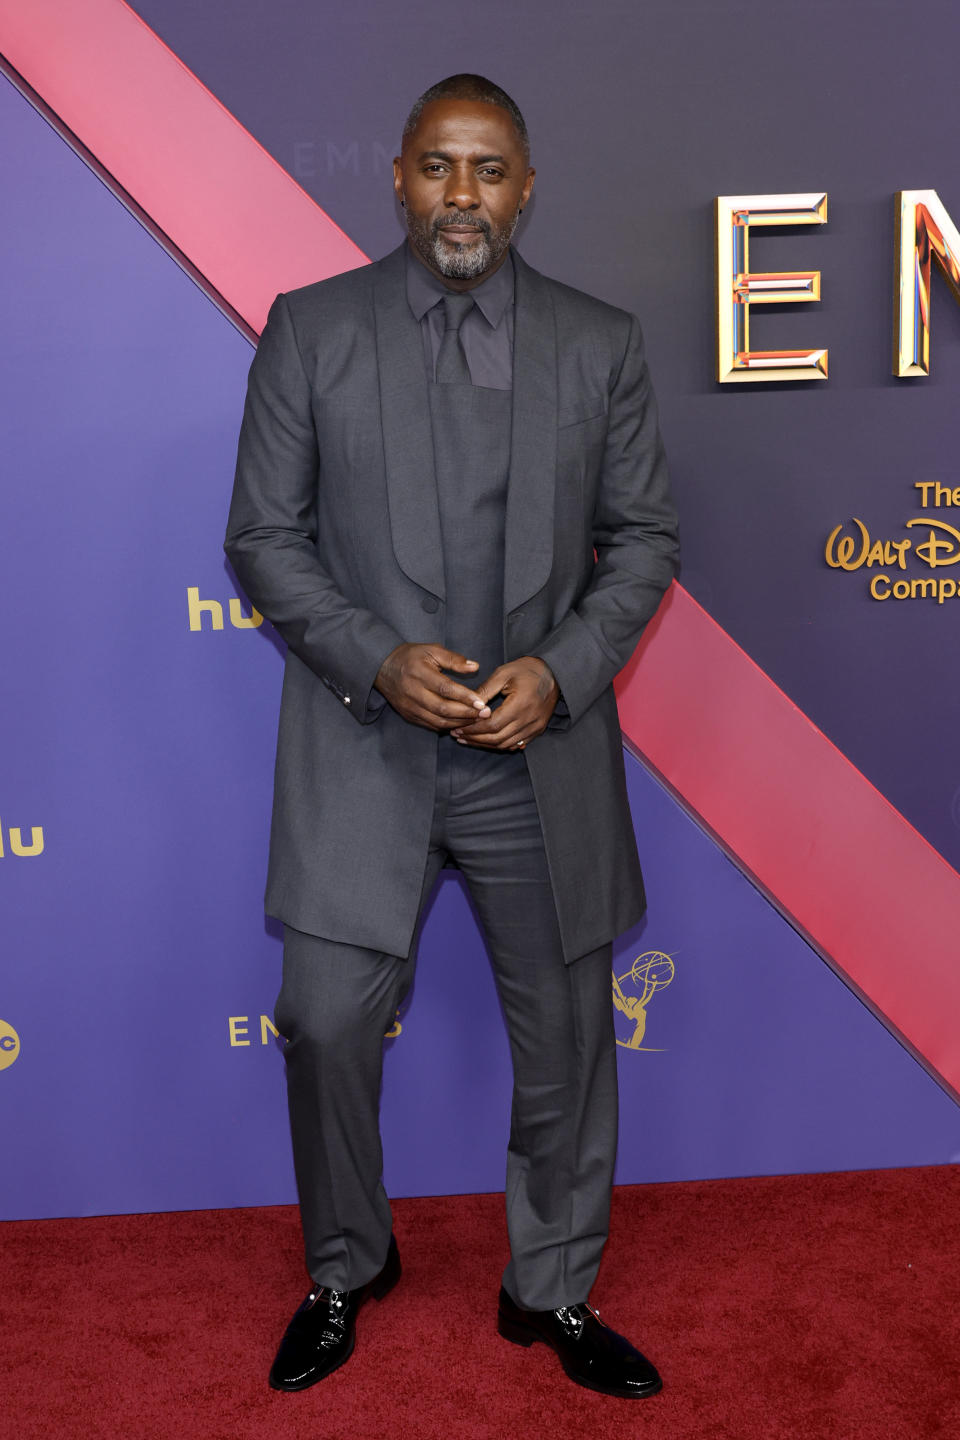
[(413, 679)]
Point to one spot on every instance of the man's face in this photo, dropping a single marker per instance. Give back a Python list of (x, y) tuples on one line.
[(464, 179)]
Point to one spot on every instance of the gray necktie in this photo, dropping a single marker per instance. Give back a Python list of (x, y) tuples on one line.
[(452, 367)]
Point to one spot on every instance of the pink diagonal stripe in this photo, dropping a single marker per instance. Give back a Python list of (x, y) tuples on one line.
[(833, 852), (239, 217)]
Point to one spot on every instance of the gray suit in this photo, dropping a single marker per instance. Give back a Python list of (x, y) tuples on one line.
[(358, 481), (334, 533)]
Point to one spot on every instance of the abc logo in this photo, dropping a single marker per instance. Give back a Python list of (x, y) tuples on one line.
[(9, 1045)]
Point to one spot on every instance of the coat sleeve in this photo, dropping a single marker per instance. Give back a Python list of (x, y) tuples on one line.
[(635, 537), (272, 528)]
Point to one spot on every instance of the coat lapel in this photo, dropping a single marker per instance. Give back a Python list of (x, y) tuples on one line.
[(533, 446), (407, 436)]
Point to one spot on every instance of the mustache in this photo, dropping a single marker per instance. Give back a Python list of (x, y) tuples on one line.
[(462, 218)]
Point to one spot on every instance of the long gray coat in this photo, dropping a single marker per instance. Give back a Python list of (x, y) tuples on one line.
[(334, 534)]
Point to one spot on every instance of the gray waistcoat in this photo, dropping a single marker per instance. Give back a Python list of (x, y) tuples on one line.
[(471, 444)]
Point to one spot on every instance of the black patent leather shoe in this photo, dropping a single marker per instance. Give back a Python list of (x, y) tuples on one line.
[(590, 1352), (321, 1335)]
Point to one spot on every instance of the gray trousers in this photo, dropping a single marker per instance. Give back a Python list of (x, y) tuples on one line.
[(337, 1001)]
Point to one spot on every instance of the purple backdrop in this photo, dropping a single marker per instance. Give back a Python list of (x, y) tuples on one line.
[(144, 749)]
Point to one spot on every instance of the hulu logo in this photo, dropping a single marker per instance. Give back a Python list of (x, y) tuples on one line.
[(15, 841), (197, 609)]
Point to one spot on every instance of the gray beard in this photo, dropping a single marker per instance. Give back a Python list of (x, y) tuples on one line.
[(461, 262)]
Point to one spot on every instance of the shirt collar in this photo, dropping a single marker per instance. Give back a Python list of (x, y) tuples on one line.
[(492, 296)]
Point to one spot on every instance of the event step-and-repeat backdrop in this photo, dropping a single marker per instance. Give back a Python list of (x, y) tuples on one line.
[(139, 1065)]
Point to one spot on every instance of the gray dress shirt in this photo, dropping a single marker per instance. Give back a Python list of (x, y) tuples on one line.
[(487, 330)]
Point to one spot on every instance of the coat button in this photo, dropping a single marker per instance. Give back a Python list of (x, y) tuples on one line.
[(430, 604)]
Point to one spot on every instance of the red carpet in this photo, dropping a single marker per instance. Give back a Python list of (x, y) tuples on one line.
[(791, 1308)]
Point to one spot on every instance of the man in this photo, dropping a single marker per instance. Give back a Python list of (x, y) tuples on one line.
[(451, 501)]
